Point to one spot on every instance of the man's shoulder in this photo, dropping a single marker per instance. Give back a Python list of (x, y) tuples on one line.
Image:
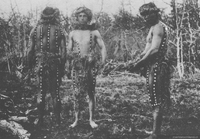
[(158, 28), (96, 33), (72, 32)]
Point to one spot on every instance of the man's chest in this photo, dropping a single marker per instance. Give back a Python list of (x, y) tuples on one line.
[(83, 37)]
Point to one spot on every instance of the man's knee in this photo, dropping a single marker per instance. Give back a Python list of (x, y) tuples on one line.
[(79, 100), (41, 96), (157, 109), (91, 93), (79, 105), (57, 106)]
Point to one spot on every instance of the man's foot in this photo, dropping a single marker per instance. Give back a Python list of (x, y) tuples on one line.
[(74, 124), (93, 124)]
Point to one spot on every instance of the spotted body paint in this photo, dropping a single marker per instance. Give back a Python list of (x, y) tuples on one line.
[(158, 75), (49, 60), (84, 71)]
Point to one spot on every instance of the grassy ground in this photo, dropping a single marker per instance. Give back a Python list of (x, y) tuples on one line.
[(123, 111)]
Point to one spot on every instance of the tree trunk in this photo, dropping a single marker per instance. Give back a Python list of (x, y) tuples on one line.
[(179, 45)]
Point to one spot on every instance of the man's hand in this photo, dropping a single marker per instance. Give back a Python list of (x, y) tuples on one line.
[(142, 55), (139, 64), (103, 62), (134, 67), (100, 66)]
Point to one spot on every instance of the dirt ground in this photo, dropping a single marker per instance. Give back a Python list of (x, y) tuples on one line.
[(123, 111)]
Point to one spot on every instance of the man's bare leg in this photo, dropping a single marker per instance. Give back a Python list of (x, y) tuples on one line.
[(157, 117), (41, 107), (53, 89), (91, 111), (41, 99), (57, 110), (76, 119)]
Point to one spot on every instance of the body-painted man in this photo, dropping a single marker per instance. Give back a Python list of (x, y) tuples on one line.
[(83, 41), (46, 55), (154, 60)]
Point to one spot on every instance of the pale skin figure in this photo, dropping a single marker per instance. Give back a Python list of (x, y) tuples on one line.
[(153, 43), (83, 39), (153, 40)]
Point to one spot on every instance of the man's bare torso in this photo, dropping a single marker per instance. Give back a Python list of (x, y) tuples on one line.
[(158, 28), (83, 40)]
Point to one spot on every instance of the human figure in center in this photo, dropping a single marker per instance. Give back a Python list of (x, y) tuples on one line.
[(83, 43)]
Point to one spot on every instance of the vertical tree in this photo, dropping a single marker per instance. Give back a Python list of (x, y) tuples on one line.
[(184, 19)]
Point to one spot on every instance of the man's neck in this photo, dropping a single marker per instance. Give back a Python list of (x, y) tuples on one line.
[(52, 22), (84, 27), (81, 27)]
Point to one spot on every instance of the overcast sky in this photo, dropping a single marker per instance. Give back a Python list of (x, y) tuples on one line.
[(67, 6)]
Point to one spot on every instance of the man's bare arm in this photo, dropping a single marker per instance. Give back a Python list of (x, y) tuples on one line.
[(31, 49), (63, 53), (63, 48), (70, 44), (156, 41), (155, 44), (147, 47), (101, 45)]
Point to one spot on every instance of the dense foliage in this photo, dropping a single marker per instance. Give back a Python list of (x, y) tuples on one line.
[(123, 109)]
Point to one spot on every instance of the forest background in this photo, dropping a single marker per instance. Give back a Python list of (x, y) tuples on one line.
[(124, 35)]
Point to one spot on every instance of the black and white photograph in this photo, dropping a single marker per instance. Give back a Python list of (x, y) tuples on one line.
[(99, 69)]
